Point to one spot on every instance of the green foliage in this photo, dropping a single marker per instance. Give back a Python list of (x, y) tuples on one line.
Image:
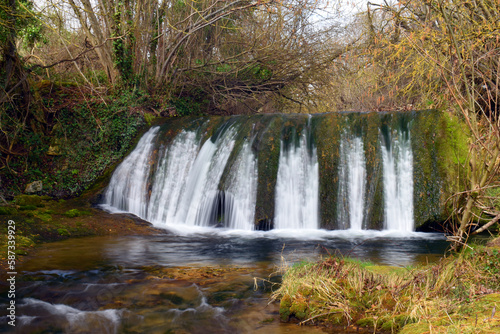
[(89, 137), (194, 104), (19, 20), (123, 60)]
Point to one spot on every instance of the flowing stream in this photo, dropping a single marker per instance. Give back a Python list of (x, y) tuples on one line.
[(198, 282)]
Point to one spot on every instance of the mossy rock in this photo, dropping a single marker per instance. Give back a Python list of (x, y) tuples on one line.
[(24, 200), (299, 308), (7, 210), (45, 217)]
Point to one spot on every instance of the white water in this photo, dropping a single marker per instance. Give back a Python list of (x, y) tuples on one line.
[(352, 183), (203, 180), (171, 177), (127, 188), (398, 183), (297, 188), (185, 182), (184, 190), (72, 320), (241, 194)]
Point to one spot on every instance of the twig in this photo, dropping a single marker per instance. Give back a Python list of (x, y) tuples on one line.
[(486, 226)]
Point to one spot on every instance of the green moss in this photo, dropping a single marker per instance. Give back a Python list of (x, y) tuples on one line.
[(27, 207), (45, 217), (149, 118), (7, 210), (63, 232), (365, 322), (75, 213), (267, 145), (299, 308), (285, 304), (25, 200)]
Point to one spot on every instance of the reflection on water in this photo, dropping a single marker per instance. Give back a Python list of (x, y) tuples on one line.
[(198, 283)]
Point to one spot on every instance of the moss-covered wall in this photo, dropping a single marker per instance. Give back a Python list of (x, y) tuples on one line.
[(440, 149), (374, 199), (327, 129), (267, 145)]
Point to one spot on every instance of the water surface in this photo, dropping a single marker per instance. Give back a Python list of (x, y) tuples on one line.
[(197, 282)]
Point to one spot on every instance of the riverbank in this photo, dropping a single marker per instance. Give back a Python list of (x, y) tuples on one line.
[(41, 219), (458, 294)]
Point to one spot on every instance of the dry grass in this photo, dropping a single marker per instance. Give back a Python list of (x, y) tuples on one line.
[(451, 293)]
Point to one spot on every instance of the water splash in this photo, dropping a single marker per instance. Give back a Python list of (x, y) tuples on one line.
[(397, 159), (297, 187), (352, 183)]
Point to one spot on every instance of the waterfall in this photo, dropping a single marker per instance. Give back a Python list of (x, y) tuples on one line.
[(128, 186), (185, 183), (397, 159), (297, 187), (203, 180), (241, 194), (263, 171), (171, 178), (352, 183)]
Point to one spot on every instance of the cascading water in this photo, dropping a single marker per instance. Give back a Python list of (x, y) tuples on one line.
[(241, 194), (128, 186), (263, 172), (203, 179), (397, 159), (352, 183), (170, 179), (185, 183), (297, 187)]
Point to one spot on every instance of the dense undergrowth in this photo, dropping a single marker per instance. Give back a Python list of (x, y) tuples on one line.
[(459, 294), (72, 140)]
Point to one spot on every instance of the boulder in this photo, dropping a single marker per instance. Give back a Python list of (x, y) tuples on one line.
[(33, 187)]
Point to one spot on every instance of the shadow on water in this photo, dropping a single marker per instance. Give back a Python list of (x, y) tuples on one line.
[(201, 283)]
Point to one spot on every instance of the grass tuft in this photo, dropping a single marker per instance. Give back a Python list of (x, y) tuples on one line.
[(339, 291)]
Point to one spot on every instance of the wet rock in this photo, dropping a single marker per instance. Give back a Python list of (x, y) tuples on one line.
[(264, 225), (33, 187)]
